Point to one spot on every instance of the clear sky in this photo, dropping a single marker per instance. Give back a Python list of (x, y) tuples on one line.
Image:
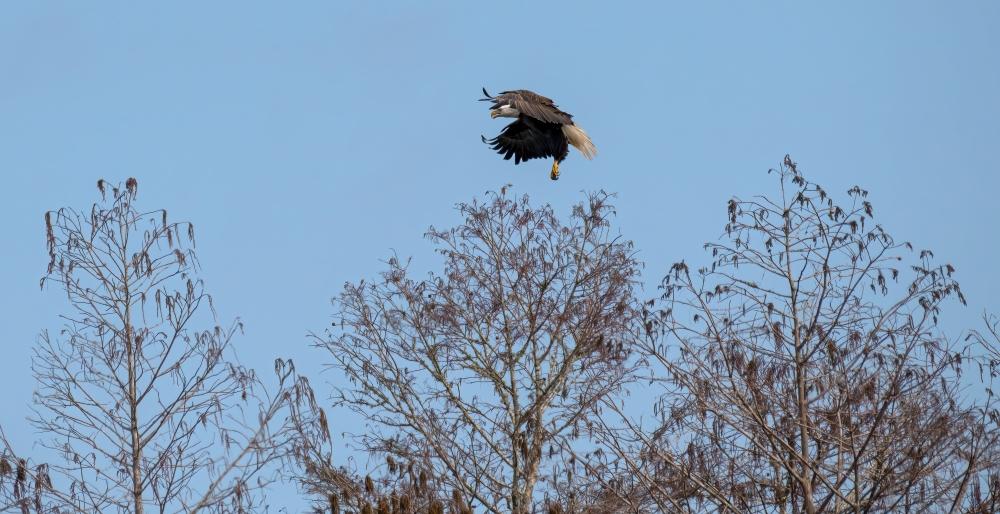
[(308, 140)]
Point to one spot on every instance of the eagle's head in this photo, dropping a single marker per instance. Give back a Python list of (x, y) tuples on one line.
[(504, 111)]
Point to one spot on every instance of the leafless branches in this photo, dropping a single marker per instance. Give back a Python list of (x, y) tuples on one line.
[(144, 410), (483, 376), (802, 371)]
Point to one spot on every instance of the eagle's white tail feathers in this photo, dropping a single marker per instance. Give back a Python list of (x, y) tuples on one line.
[(579, 139)]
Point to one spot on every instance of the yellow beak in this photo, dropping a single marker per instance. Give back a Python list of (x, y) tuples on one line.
[(494, 114)]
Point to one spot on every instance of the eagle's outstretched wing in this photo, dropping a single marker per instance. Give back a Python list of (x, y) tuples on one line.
[(528, 138), (531, 104)]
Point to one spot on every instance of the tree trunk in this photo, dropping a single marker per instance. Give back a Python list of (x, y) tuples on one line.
[(133, 402)]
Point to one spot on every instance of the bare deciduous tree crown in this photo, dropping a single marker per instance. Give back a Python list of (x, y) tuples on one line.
[(483, 376), (144, 410), (803, 371)]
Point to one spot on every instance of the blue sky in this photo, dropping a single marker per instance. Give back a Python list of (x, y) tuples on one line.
[(309, 140)]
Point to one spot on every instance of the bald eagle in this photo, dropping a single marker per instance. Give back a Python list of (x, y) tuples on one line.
[(541, 129)]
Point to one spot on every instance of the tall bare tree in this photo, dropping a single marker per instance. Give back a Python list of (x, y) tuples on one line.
[(802, 371), (144, 411), (476, 381)]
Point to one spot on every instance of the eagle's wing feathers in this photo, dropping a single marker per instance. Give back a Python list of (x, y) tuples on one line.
[(527, 139), (534, 105)]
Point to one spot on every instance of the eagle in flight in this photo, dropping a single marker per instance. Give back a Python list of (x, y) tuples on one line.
[(541, 129)]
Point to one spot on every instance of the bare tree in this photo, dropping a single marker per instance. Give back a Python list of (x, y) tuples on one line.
[(143, 410), (477, 381), (985, 488), (802, 371)]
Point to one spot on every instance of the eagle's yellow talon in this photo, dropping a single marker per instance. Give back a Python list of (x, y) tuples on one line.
[(555, 171)]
